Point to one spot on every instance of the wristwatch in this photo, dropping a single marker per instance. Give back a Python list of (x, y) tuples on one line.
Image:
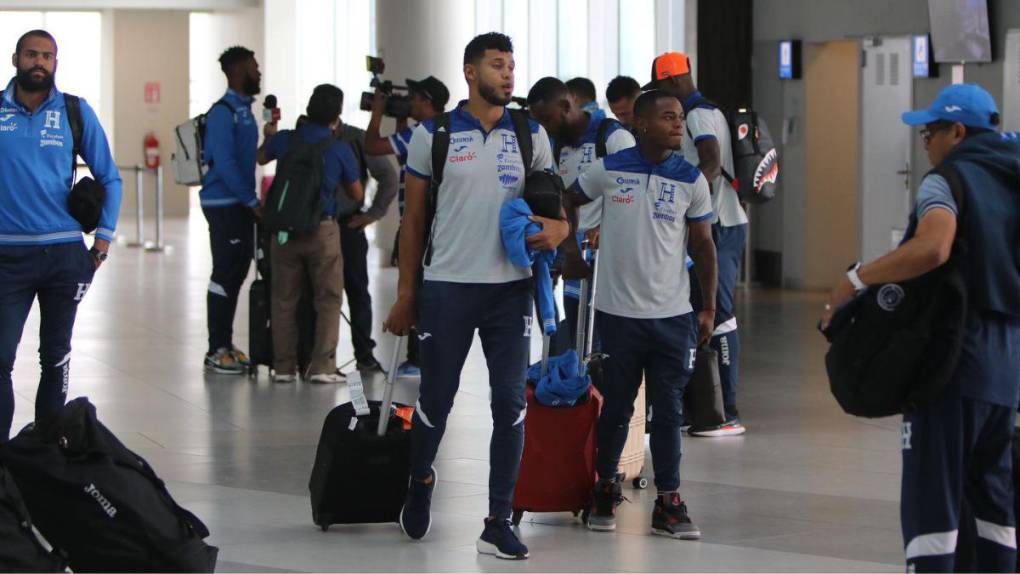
[(855, 279), (98, 254)]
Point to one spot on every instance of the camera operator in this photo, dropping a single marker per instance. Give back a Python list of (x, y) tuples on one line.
[(428, 98)]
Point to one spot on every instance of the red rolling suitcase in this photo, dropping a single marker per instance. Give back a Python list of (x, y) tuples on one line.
[(558, 466)]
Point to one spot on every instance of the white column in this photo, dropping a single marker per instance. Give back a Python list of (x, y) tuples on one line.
[(417, 39)]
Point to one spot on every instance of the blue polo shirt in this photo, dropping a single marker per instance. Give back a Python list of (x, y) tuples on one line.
[(231, 140), (339, 164), (36, 172)]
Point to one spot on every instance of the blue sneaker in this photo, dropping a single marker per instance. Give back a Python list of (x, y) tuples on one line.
[(498, 539), (416, 515), (408, 370)]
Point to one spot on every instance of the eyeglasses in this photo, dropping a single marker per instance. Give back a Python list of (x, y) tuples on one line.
[(928, 132)]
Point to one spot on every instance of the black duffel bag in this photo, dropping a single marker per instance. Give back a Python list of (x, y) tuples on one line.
[(22, 548), (99, 502), (896, 346)]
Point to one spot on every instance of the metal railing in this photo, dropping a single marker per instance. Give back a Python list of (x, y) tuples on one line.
[(140, 170)]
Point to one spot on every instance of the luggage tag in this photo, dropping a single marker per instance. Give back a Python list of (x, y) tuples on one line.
[(357, 390), (405, 414)]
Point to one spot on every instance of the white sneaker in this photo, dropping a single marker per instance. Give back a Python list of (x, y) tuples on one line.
[(284, 378), (327, 378)]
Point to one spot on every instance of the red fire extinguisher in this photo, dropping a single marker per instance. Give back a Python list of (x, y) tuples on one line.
[(151, 145)]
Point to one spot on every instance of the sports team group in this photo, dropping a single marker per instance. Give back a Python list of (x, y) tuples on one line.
[(651, 190)]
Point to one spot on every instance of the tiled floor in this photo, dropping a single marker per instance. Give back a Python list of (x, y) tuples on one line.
[(807, 489)]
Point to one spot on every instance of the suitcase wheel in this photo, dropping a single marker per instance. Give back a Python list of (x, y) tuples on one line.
[(585, 513), (324, 527), (515, 519), (640, 483)]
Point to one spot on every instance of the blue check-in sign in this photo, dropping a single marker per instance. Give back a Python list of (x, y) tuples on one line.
[(922, 64), (786, 60)]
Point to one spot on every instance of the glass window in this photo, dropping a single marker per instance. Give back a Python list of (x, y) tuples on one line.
[(637, 38), (572, 38)]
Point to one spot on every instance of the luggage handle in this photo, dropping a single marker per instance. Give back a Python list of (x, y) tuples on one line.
[(586, 303), (391, 383)]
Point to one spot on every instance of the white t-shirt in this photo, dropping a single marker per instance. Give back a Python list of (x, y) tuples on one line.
[(575, 159), (643, 245), (483, 171), (707, 122)]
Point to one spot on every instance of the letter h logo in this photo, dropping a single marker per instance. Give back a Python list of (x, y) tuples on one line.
[(509, 143), (52, 120), (667, 192)]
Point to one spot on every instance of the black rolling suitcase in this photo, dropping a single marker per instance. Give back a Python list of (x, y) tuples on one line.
[(362, 465), (99, 502), (23, 549), (260, 333)]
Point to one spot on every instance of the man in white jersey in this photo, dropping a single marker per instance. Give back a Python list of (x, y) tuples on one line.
[(707, 145), (469, 282), (652, 200), (579, 138)]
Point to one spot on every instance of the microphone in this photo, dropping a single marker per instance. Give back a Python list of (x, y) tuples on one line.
[(270, 113)]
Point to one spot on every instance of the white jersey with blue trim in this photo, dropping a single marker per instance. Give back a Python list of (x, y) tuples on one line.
[(710, 123), (577, 158), (483, 171), (643, 243)]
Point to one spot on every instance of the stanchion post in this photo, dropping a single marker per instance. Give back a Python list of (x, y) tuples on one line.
[(139, 208), (159, 244)]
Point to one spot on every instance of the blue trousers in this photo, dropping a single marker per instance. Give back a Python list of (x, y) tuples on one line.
[(729, 245), (450, 313), (58, 275), (232, 239), (663, 350), (958, 447)]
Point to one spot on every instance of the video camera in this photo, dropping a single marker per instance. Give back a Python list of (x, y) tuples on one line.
[(397, 105)]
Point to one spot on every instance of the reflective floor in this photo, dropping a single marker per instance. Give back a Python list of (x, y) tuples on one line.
[(807, 489)]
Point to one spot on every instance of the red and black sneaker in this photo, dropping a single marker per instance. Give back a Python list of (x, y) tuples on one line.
[(605, 498), (670, 518)]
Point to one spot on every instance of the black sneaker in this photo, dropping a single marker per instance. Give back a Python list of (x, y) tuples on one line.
[(498, 539), (416, 515), (731, 427), (605, 498), (669, 518), (370, 365)]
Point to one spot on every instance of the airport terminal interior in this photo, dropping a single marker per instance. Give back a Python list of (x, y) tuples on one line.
[(807, 487)]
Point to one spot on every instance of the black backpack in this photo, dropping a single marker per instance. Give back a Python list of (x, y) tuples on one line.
[(440, 150), (100, 502), (23, 548), (896, 346), (755, 157), (294, 202), (87, 198)]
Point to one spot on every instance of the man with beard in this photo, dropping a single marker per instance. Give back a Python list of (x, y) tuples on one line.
[(469, 282), (229, 203), (41, 249), (578, 137), (653, 198), (707, 145)]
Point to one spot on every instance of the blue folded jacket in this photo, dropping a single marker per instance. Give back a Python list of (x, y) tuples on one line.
[(564, 383), (514, 227)]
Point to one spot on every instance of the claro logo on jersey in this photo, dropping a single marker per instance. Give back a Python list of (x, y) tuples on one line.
[(625, 196), (469, 156)]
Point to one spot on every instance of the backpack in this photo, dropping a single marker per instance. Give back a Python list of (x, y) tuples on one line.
[(755, 158), (600, 141), (100, 502), (190, 165), (440, 150), (896, 346), (294, 202)]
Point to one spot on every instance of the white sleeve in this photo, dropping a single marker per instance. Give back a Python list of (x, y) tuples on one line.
[(542, 159), (701, 125), (419, 153), (620, 140), (700, 208), (592, 181)]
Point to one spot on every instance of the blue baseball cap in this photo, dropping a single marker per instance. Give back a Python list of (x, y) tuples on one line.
[(968, 104)]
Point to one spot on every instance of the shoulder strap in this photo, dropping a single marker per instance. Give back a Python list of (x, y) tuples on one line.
[(522, 129), (602, 137), (74, 120), (226, 104), (440, 149)]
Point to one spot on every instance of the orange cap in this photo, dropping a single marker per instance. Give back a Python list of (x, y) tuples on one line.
[(668, 65)]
